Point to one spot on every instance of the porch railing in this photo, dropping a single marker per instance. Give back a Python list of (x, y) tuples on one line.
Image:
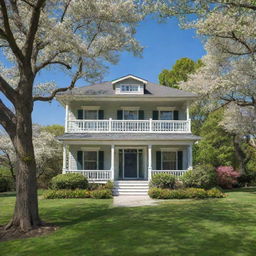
[(151, 126), (177, 173), (93, 175)]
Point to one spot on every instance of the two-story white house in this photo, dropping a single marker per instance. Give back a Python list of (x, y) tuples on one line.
[(126, 131)]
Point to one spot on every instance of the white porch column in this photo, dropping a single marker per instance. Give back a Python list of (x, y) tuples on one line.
[(187, 111), (66, 118), (190, 158), (112, 162), (149, 161), (188, 118), (64, 158)]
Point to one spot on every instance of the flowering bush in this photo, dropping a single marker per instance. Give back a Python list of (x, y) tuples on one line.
[(227, 177)]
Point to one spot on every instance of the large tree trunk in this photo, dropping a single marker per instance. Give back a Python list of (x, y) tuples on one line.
[(26, 215)]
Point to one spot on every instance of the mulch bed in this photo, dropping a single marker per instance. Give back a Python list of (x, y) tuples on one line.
[(13, 233)]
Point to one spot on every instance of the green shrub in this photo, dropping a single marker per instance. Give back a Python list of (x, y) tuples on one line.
[(109, 185), (66, 193), (6, 180), (101, 194), (69, 181), (190, 193), (163, 180), (215, 193), (202, 176)]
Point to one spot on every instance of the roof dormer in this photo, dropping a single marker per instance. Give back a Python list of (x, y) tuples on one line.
[(129, 85)]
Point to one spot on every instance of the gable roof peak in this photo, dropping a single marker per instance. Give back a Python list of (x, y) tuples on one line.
[(129, 76)]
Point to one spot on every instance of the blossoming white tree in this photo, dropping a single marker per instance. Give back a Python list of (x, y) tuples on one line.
[(79, 36), (228, 28), (46, 148)]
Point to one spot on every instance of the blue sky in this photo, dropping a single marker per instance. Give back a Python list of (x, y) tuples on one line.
[(164, 43)]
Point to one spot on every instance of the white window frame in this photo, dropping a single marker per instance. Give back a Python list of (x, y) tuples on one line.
[(176, 160), (86, 108), (169, 109), (130, 87)]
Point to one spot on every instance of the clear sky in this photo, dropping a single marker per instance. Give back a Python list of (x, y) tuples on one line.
[(164, 43)]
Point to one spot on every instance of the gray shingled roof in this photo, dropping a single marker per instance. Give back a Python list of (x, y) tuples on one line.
[(106, 89), (128, 136)]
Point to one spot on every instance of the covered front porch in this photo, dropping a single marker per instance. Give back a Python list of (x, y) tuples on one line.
[(101, 163)]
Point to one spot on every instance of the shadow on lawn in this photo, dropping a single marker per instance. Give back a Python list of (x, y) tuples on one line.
[(8, 194), (248, 189), (197, 228), (93, 227)]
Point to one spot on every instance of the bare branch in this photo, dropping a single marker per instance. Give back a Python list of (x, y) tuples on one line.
[(71, 86)]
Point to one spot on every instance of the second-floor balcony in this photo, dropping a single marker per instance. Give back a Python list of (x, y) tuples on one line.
[(127, 126)]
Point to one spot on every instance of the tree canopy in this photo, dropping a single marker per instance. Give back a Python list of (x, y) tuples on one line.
[(179, 72)]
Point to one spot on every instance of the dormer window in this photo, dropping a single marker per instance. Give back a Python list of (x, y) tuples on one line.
[(129, 88), (129, 85)]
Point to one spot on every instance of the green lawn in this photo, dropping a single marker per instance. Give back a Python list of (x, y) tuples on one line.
[(93, 227)]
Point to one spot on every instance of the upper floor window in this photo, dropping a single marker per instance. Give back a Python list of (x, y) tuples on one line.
[(130, 115), (90, 114), (165, 115), (129, 88)]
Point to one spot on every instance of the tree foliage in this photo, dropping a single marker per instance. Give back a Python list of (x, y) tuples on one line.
[(179, 72), (216, 146)]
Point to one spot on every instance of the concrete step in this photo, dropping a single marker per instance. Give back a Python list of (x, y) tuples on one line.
[(130, 193)]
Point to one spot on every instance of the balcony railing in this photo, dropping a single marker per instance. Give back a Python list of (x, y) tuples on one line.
[(151, 126), (93, 175)]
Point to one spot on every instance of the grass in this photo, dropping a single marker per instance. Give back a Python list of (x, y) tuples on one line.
[(179, 227)]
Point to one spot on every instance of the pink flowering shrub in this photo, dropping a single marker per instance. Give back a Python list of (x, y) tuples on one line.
[(226, 176)]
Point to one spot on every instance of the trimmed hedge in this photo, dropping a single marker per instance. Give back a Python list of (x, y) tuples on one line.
[(78, 193), (66, 193), (163, 180), (69, 181), (195, 193), (101, 194)]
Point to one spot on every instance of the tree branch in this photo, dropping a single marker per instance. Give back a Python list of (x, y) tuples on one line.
[(7, 90), (34, 21), (7, 120), (71, 86), (65, 10), (8, 33)]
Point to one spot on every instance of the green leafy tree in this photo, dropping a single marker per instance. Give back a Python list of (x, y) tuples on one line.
[(54, 129), (179, 72), (216, 146)]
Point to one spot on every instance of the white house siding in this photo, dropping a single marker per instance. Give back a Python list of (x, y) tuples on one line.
[(110, 108)]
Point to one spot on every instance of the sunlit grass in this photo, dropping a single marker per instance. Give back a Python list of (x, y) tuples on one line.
[(93, 227)]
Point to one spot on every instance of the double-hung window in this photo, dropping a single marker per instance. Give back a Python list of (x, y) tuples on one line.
[(90, 160), (91, 114), (130, 115), (165, 115), (168, 160)]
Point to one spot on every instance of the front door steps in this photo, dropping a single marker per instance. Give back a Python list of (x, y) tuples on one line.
[(131, 187)]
